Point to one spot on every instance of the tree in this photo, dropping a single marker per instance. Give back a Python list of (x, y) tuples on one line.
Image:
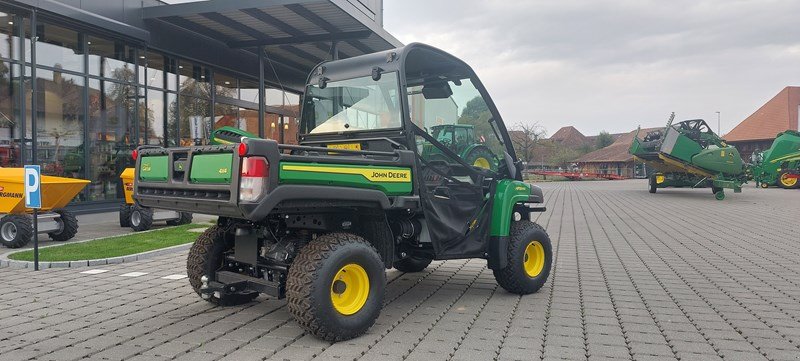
[(604, 139), (524, 137)]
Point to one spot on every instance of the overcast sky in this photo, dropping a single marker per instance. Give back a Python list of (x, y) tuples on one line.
[(614, 64)]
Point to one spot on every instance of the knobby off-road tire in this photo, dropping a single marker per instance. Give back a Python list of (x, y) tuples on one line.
[(205, 258), (183, 218), (69, 226), (141, 218), (311, 288), (124, 215), (412, 264), (16, 230), (528, 245), (652, 183)]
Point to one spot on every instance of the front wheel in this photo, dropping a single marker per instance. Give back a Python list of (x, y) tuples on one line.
[(141, 218), (124, 215), (529, 255), (652, 184), (183, 218), (16, 230), (336, 286)]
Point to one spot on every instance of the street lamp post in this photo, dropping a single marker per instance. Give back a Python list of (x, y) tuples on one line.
[(719, 132)]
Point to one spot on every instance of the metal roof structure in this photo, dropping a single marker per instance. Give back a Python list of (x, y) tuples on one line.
[(297, 34)]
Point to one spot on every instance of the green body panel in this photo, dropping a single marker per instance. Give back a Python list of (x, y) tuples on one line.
[(774, 159), (720, 160), (685, 148), (507, 193), (211, 168), (393, 181), (154, 168)]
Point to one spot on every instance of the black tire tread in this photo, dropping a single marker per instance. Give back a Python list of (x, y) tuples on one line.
[(146, 214), (124, 215), (24, 225), (200, 253), (70, 226), (304, 271), (508, 277)]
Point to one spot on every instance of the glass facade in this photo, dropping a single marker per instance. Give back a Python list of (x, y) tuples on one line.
[(97, 98)]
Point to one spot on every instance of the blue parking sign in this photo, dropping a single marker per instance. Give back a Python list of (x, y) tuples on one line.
[(33, 186)]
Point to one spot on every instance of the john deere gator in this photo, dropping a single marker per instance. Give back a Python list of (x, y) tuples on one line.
[(689, 154), (319, 222)]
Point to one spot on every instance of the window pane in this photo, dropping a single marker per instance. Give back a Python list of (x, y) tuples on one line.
[(195, 125), (172, 119), (226, 85), (154, 118), (248, 90), (226, 115), (273, 97), (111, 127), (10, 119), (155, 67), (59, 123), (194, 80), (9, 42), (58, 47), (111, 59)]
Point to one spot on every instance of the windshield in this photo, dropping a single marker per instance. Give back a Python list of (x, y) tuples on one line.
[(352, 105)]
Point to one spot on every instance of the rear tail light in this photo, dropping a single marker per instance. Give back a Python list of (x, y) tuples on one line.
[(135, 154), (254, 176)]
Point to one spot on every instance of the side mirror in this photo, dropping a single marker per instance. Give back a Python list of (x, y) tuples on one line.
[(436, 91)]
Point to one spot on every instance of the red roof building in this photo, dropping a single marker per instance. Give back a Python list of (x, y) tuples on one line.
[(758, 130)]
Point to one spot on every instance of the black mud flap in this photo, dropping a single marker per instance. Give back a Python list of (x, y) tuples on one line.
[(497, 252)]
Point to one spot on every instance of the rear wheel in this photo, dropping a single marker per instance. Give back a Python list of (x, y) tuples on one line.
[(764, 185), (481, 157), (720, 195), (785, 180), (529, 255), (336, 286), (69, 226), (124, 215), (412, 264), (205, 258), (183, 218), (16, 230), (141, 218)]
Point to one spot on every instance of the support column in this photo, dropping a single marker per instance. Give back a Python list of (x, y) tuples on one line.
[(261, 91), (34, 93)]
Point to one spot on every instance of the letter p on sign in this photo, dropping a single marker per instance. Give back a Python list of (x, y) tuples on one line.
[(33, 186)]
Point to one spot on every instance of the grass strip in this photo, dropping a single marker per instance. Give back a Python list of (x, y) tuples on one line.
[(115, 246)]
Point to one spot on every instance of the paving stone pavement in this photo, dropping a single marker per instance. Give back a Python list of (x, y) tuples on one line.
[(637, 276)]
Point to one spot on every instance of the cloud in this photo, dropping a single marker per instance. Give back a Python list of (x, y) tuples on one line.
[(614, 64)]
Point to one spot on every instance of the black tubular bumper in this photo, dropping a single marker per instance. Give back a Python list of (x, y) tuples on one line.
[(180, 194)]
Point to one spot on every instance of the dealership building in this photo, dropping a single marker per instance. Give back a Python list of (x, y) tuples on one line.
[(84, 82)]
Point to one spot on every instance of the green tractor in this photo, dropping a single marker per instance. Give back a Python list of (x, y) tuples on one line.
[(689, 154), (319, 223), (461, 140), (778, 164)]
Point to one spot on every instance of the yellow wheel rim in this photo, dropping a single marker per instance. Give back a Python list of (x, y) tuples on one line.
[(788, 182), (482, 162), (534, 259), (350, 289)]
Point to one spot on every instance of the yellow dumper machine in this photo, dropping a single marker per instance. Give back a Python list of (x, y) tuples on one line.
[(141, 218), (16, 224)]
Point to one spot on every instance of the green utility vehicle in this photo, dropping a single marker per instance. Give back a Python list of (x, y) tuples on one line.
[(319, 222), (778, 164), (689, 154)]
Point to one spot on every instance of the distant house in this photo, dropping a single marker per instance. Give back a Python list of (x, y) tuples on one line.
[(614, 159), (758, 130), (569, 137)]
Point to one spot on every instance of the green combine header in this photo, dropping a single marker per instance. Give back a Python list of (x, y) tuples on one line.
[(689, 154)]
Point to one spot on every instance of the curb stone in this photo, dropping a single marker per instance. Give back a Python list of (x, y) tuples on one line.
[(5, 262)]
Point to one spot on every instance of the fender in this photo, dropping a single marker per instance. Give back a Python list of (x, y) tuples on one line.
[(508, 193)]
